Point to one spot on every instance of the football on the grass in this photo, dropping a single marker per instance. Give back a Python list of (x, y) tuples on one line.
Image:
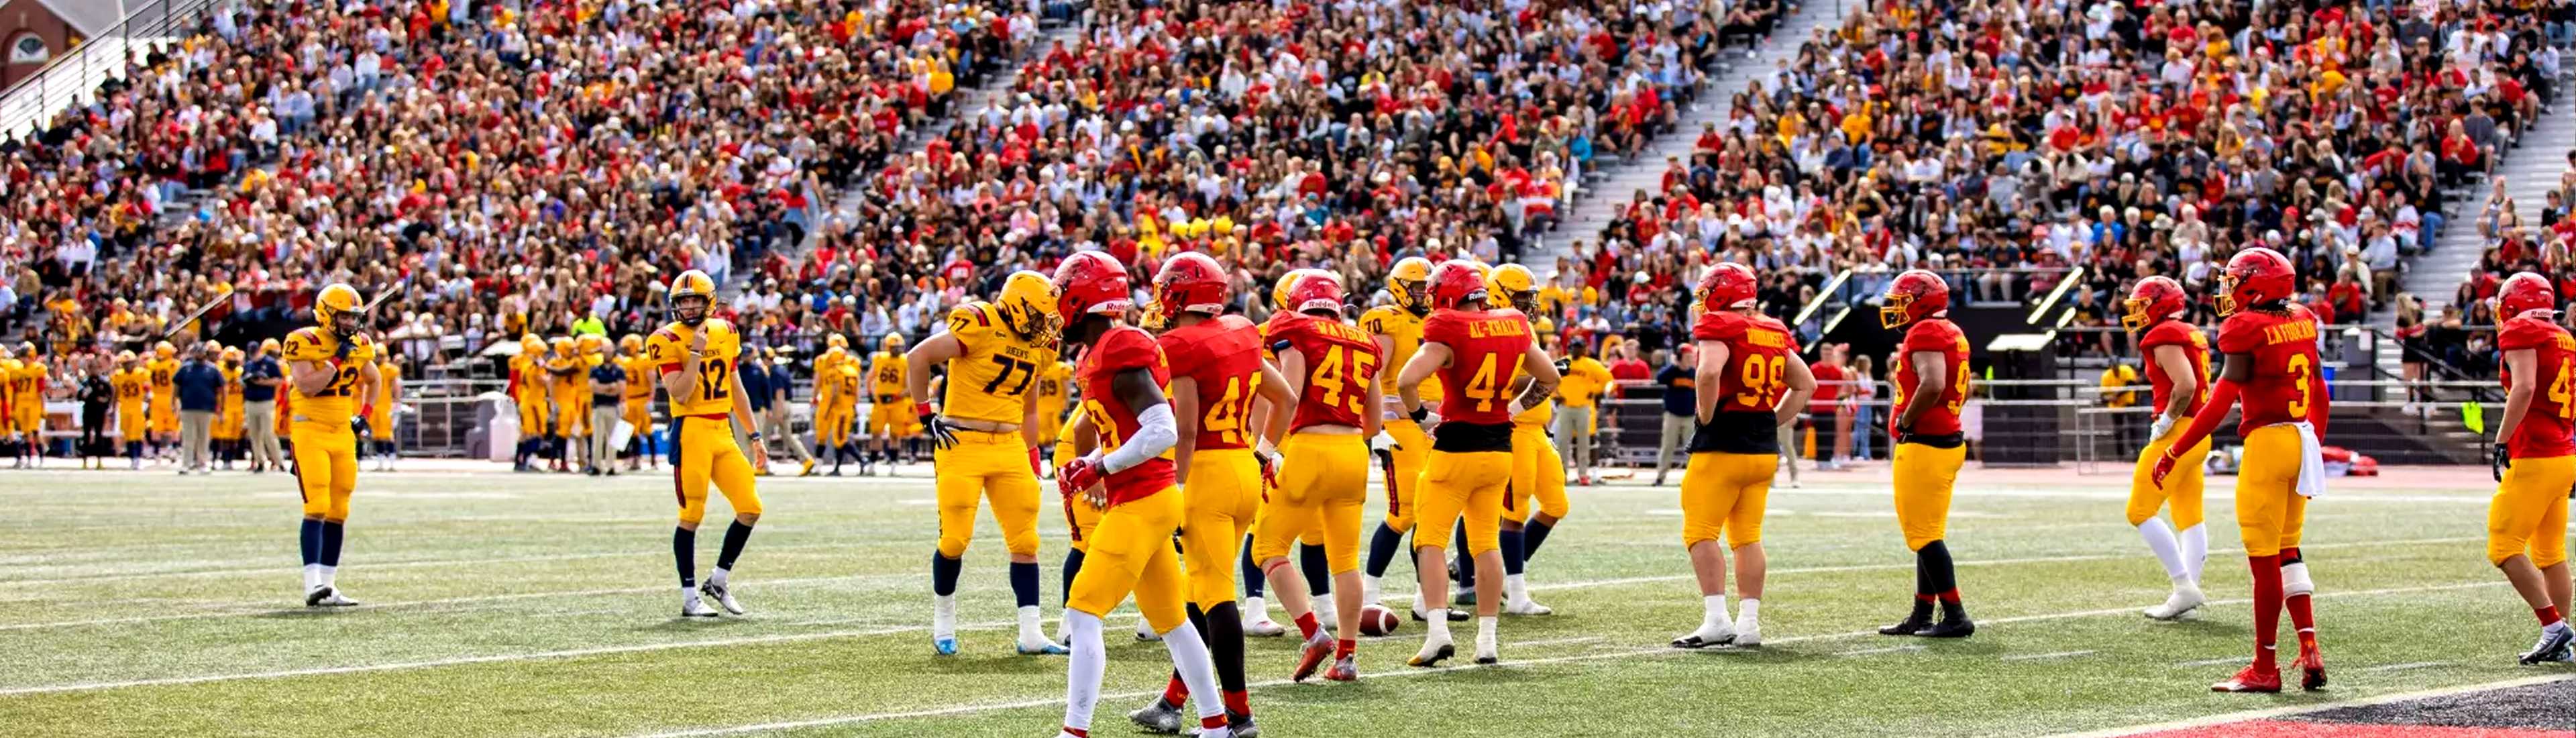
[(1378, 621)]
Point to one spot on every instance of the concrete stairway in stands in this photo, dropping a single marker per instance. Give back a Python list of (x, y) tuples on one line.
[(1603, 196)]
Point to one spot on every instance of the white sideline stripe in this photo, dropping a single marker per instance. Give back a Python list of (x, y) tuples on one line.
[(2286, 710), (1873, 651), (2404, 667), (1462, 664), (1989, 562), (1559, 641), (2039, 656), (282, 568), (2212, 662)]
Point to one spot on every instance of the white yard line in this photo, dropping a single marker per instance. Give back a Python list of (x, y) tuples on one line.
[(1655, 651), (273, 609), (1909, 648), (2405, 667), (2210, 662), (1908, 565), (281, 569), (2272, 712), (2044, 656)]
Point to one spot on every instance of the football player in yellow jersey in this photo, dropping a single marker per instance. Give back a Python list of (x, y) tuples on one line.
[(637, 406), (164, 370), (568, 385), (695, 356), (26, 418), (528, 391), (836, 403), (133, 386), (1052, 380), (380, 409), (228, 416), (329, 367), (889, 416), (11, 373), (1401, 445), (1538, 471), (985, 433)]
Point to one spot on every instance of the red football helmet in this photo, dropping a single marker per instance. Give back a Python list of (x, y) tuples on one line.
[(1915, 295), (2525, 293), (1728, 286), (1091, 282), (1457, 285), (1190, 282), (2256, 276), (1321, 291), (2153, 300)]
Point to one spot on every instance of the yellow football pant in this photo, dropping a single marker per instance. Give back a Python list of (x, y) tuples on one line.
[(1537, 471), (29, 415), (1468, 484), (1924, 475), (165, 416), (532, 415), (568, 414), (326, 467), (832, 427), (1726, 494), (1404, 482), (703, 450), (1220, 501), (2269, 511), (980, 466), (892, 419), (2529, 512), (129, 423), (1323, 486), (1131, 552), (2183, 486)]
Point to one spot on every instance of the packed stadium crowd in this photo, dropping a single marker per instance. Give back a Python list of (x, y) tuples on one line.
[(506, 168)]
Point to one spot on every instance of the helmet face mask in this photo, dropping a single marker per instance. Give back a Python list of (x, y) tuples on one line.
[(2133, 315), (1896, 310)]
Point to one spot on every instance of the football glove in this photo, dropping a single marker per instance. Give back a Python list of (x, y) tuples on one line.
[(2164, 467), (2502, 460), (941, 434), (1037, 466), (1383, 446), (2163, 423), (1268, 454), (1079, 475)]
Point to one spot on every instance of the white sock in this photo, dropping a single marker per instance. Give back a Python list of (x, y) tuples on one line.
[(312, 576), (1083, 671), (943, 619), (1748, 610), (719, 576), (688, 594), (1324, 610), (1198, 669), (330, 574), (1030, 630), (2160, 539), (1713, 614), (1368, 590), (1255, 609), (2195, 549), (1486, 637), (1515, 589), (1436, 623)]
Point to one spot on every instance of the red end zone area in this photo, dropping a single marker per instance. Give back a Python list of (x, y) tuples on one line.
[(2522, 709)]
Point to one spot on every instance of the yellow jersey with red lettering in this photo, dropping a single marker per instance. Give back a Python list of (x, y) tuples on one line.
[(713, 397), (993, 372), (1403, 330), (335, 402)]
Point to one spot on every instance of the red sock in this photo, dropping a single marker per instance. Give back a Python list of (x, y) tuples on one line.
[(1176, 693), (1306, 625), (2303, 617), (2267, 607), (2548, 615), (1238, 703), (1077, 732), (1951, 597), (1212, 722), (1342, 649)]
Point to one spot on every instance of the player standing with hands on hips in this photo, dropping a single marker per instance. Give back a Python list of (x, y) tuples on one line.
[(2535, 461), (694, 354), (2271, 348), (1753, 383)]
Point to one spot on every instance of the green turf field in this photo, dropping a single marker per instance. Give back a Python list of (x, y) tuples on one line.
[(145, 604)]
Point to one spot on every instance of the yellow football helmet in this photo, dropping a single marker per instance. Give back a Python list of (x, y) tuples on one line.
[(268, 346), (1027, 305), (164, 350), (691, 284), (1409, 282), (531, 345), (562, 345), (837, 341), (631, 344), (27, 347), (336, 309), (232, 355), (125, 357), (1515, 286), (591, 343), (893, 343)]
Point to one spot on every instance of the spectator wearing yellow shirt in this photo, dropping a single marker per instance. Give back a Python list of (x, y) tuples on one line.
[(1579, 395), (2118, 383)]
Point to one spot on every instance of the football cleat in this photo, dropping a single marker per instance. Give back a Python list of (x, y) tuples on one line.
[(1919, 621), (2555, 646), (1157, 717), (1527, 606), (1318, 647), (808, 470), (2312, 669), (332, 597), (2251, 680), (1345, 669), (944, 646), (1145, 632), (2185, 598), (692, 607), (1950, 627), (1706, 637), (1241, 724), (1042, 648), (1423, 616), (723, 598), (1257, 622), (1435, 649), (314, 595), (1465, 598), (1487, 651), (1748, 633)]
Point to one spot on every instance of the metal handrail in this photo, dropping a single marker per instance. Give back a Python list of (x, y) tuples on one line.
[(76, 73), (1823, 294)]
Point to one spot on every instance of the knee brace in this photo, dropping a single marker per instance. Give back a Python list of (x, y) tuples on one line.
[(2294, 575)]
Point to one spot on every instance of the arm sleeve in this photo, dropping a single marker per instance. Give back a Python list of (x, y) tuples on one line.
[(1156, 432)]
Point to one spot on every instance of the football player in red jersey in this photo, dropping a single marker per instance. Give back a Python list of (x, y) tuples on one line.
[(1323, 479), (1930, 370), (2271, 348), (1476, 352), (1757, 383), (2535, 461), (1217, 372), (2177, 368), (1122, 372)]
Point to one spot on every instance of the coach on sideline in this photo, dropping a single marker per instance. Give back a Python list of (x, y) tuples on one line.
[(259, 407), (201, 390)]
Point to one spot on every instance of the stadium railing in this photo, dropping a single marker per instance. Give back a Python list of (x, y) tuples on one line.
[(73, 77)]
